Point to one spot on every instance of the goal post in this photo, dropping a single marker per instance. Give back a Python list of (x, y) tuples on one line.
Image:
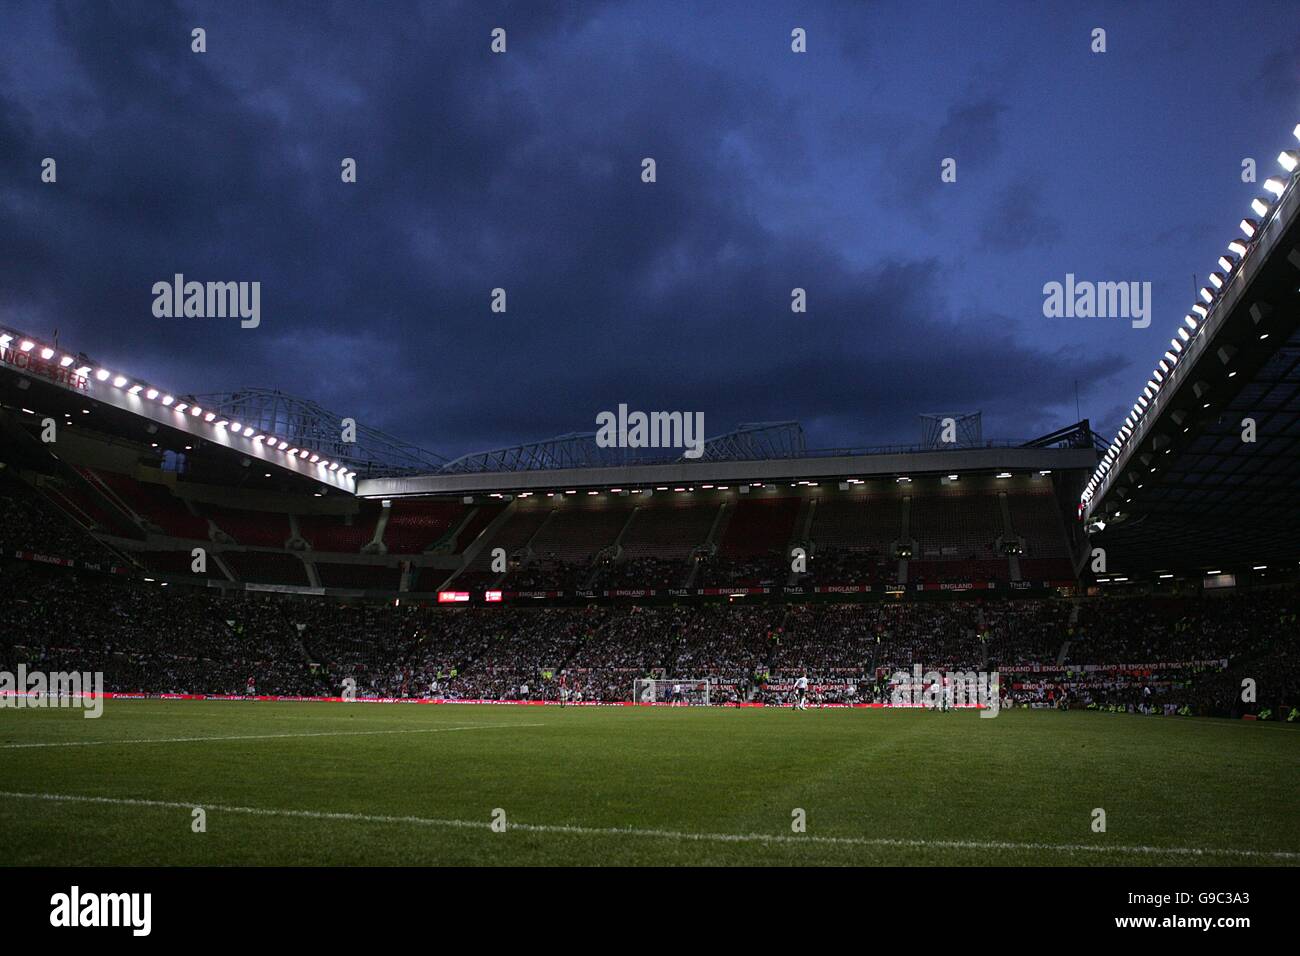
[(671, 690)]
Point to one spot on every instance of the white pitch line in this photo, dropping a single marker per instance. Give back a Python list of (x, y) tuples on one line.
[(780, 838), (322, 733)]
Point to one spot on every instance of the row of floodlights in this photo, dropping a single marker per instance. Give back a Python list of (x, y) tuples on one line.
[(687, 489), (179, 407), (1168, 575), (1261, 206)]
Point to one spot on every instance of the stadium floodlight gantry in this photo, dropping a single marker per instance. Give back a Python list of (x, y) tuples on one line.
[(61, 381), (1205, 468)]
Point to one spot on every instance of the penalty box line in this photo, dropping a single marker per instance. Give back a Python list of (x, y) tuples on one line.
[(321, 733), (567, 830)]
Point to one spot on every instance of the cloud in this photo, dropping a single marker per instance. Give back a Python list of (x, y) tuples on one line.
[(476, 172), (1017, 219)]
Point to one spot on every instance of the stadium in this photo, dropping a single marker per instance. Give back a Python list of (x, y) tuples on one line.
[(309, 640), (201, 549)]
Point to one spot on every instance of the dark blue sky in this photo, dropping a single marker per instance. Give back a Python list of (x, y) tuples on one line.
[(522, 170)]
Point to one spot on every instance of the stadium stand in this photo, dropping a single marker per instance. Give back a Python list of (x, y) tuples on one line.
[(370, 577), (753, 550), (516, 532), (415, 526), (157, 505), (81, 504), (668, 528), (333, 533), (955, 525), (575, 533), (857, 522), (1140, 654), (561, 552), (267, 529), (32, 524), (853, 538), (482, 516), (643, 572), (266, 567), (1036, 520), (179, 563)]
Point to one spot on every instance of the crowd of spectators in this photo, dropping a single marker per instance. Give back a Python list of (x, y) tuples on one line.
[(763, 570), (545, 574), (33, 524), (638, 573), (1131, 653), (839, 566)]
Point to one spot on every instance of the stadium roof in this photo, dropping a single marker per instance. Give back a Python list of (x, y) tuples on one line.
[(747, 442), (1068, 449), (1206, 471), (37, 375)]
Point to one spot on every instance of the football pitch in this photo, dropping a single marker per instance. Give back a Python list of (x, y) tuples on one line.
[(374, 784)]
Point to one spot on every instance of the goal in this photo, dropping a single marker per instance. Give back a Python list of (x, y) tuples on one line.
[(672, 690)]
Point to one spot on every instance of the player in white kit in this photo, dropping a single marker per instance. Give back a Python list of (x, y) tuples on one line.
[(801, 693)]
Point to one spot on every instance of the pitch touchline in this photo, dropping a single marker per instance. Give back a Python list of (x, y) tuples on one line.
[(661, 834), (321, 733)]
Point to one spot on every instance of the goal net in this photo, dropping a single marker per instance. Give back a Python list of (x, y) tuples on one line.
[(673, 690)]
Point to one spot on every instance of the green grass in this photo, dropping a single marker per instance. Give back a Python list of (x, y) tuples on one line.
[(1022, 778)]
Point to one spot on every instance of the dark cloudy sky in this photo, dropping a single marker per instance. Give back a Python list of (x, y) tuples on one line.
[(522, 170)]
